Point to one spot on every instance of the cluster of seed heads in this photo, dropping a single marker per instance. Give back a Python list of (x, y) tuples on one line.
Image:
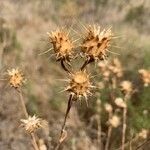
[(93, 46)]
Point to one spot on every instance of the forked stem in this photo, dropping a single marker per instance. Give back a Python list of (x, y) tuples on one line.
[(34, 143), (64, 67), (90, 60)]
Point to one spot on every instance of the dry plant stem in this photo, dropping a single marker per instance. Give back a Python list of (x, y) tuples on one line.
[(23, 104), (65, 119), (124, 124), (99, 141), (145, 142), (86, 63), (34, 142), (64, 67), (124, 128), (109, 133), (129, 142), (108, 137), (35, 145)]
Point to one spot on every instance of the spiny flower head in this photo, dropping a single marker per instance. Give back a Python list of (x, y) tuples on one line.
[(62, 45), (145, 75), (16, 78), (126, 87), (96, 42), (80, 84), (31, 124)]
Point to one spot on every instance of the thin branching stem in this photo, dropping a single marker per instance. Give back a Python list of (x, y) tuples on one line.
[(64, 67), (108, 137), (34, 143), (144, 143), (99, 141), (124, 127), (88, 61), (108, 133), (64, 123)]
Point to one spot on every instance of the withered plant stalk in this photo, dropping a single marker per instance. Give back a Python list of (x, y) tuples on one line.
[(124, 127), (99, 128), (108, 137), (64, 123), (34, 143), (108, 133)]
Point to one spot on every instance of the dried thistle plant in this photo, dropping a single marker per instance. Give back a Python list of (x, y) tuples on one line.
[(31, 124), (62, 46), (16, 80), (95, 44)]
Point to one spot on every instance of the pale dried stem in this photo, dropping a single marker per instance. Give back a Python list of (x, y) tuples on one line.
[(34, 143), (124, 127), (108, 137), (64, 67), (144, 143), (109, 133), (99, 141), (129, 143)]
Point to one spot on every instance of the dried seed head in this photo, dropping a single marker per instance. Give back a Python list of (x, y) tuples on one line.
[(62, 45), (96, 42), (143, 134), (145, 75), (33, 123), (16, 78), (79, 84), (126, 87), (120, 102), (108, 108), (116, 68), (114, 121)]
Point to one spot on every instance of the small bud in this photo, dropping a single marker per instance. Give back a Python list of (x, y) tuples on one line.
[(143, 134), (16, 78), (120, 103), (145, 75), (126, 87), (114, 121), (108, 108), (33, 123)]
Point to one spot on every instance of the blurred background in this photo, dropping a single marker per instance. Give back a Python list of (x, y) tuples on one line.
[(23, 28)]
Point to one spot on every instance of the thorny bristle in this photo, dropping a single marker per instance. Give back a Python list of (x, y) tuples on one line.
[(62, 45), (16, 78), (79, 84), (96, 43)]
